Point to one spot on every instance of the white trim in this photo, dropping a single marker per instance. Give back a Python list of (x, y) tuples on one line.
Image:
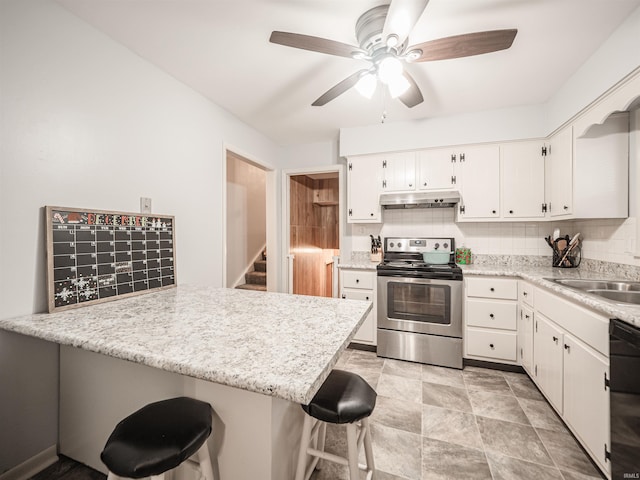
[(32, 465), (287, 258), (269, 169)]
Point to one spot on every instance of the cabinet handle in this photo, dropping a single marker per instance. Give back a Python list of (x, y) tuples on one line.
[(566, 207), (424, 184), (491, 315), (492, 289), (371, 214), (567, 348), (493, 211), (511, 211), (357, 280), (366, 298), (524, 293), (526, 316), (344, 296), (555, 339), (411, 184), (491, 346)]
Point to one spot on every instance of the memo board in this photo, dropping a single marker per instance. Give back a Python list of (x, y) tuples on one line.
[(94, 256)]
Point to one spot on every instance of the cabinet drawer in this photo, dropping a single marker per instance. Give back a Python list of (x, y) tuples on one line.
[(490, 314), (491, 344), (505, 288), (358, 294), (526, 293), (358, 279)]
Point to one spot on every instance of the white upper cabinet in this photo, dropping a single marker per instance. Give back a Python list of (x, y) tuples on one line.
[(601, 170), (437, 169), (479, 176), (399, 172), (559, 166), (522, 180), (364, 181)]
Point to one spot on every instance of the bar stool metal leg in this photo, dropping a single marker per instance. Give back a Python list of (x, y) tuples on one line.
[(352, 451)]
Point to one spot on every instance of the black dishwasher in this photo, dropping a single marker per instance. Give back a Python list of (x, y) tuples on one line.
[(624, 341)]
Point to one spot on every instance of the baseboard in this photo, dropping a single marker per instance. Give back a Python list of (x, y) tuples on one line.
[(359, 346), (33, 465), (471, 362)]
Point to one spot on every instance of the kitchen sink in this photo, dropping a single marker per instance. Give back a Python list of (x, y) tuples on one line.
[(620, 296), (621, 291)]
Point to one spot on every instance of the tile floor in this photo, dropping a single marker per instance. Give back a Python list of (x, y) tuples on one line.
[(440, 423)]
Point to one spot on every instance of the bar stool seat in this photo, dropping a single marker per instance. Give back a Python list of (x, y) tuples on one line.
[(158, 438), (344, 398)]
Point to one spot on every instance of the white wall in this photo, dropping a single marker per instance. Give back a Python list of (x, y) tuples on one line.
[(87, 123), (246, 217)]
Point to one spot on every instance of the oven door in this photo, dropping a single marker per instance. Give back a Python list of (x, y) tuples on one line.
[(420, 305)]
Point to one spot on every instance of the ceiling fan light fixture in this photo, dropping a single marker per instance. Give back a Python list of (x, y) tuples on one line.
[(367, 84), (393, 40), (389, 69), (398, 86)]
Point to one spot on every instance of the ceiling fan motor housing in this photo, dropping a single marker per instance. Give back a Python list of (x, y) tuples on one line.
[(369, 28)]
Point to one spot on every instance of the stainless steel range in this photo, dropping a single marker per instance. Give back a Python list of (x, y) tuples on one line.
[(420, 304)]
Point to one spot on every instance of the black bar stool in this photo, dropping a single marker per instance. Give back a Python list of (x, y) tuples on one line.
[(346, 398), (158, 438)]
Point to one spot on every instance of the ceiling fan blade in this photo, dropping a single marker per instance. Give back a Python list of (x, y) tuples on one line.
[(315, 44), (401, 18), (339, 89), (465, 45), (412, 96)]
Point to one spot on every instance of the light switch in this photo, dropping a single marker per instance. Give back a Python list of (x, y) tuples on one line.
[(145, 205)]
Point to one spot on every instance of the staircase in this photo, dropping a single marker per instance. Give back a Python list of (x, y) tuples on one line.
[(256, 280)]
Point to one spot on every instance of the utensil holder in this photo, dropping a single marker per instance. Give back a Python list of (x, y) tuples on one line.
[(376, 257), (572, 260)]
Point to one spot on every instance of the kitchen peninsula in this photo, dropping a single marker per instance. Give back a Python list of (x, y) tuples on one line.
[(254, 356)]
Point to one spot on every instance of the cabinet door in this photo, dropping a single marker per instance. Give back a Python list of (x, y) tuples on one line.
[(436, 169), (548, 355), (366, 332), (363, 190), (522, 179), (399, 172), (479, 170), (560, 178), (586, 400), (525, 338)]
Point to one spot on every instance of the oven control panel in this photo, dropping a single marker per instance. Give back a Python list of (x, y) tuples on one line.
[(397, 244)]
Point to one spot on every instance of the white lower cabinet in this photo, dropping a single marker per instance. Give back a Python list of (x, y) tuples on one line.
[(490, 313), (525, 338), (547, 354), (361, 285), (571, 367), (586, 400)]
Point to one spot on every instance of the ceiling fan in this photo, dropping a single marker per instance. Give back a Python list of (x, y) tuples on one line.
[(382, 34)]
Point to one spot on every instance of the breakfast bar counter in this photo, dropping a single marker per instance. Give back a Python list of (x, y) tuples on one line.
[(255, 356)]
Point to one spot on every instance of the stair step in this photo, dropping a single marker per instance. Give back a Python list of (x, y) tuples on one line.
[(252, 286), (260, 265), (257, 278)]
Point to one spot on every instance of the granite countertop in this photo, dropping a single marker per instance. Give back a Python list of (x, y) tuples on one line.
[(359, 264), (270, 343), (536, 275)]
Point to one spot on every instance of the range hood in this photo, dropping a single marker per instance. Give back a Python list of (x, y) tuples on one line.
[(441, 199)]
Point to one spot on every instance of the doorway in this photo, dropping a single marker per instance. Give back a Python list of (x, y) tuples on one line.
[(314, 222), (246, 224)]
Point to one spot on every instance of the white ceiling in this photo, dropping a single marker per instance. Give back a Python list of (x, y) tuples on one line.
[(220, 48)]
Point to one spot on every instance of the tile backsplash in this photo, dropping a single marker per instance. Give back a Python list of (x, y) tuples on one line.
[(606, 240)]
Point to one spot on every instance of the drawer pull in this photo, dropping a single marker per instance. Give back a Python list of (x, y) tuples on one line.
[(492, 289), (366, 298), (567, 348), (524, 293), (555, 339), (357, 280), (526, 316), (491, 346), (344, 296), (491, 315)]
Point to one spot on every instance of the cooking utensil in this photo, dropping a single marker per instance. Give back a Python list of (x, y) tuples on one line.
[(571, 246)]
